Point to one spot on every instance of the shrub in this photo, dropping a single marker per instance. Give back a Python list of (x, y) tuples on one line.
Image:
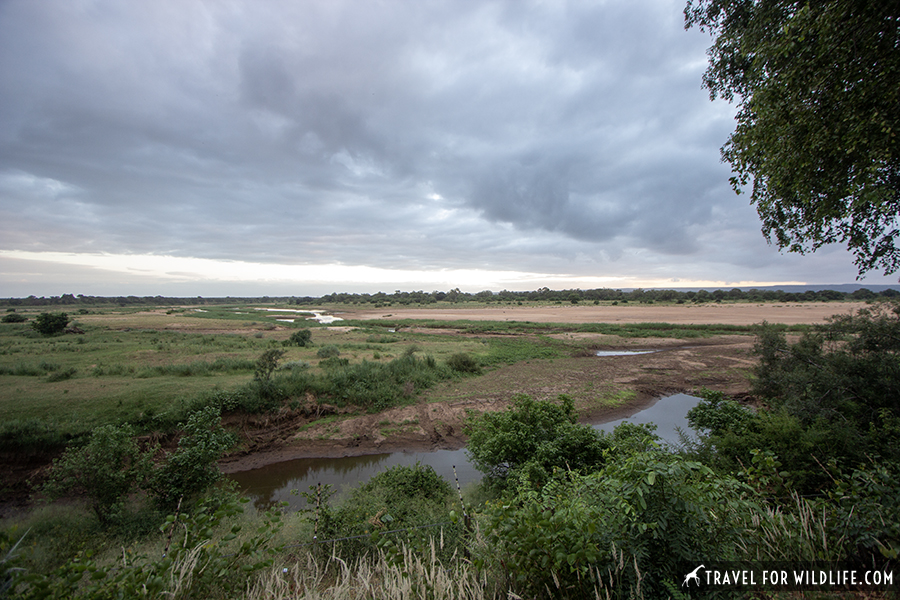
[(14, 317), (531, 438), (192, 468), (463, 362), (638, 524), (329, 351), (301, 337), (106, 470), (50, 323), (397, 498), (716, 414), (266, 364), (846, 370), (62, 375)]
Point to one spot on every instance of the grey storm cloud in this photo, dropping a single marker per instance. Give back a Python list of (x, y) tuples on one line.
[(552, 136)]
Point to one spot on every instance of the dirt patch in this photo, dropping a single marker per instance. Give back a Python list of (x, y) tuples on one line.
[(604, 389), (711, 313)]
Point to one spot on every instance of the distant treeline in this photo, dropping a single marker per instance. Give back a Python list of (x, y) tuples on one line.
[(601, 295), (457, 296), (80, 299)]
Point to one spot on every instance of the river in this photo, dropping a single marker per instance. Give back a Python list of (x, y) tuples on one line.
[(273, 483)]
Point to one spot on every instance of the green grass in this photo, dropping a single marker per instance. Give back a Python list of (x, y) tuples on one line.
[(147, 365)]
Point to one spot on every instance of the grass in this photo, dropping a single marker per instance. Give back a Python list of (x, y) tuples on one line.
[(617, 398), (148, 365)]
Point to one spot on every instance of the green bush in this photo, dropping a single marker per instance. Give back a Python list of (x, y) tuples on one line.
[(369, 385), (530, 439), (192, 468), (716, 414), (14, 317), (50, 323), (631, 529), (106, 470), (301, 337), (329, 351), (266, 364), (463, 362), (866, 511), (845, 371), (401, 497), (62, 375)]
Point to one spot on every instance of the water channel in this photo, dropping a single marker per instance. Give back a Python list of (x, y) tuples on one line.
[(273, 483)]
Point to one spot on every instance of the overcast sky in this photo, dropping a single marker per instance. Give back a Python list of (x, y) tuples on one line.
[(250, 147)]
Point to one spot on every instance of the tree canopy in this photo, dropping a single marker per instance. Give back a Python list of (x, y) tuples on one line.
[(818, 92)]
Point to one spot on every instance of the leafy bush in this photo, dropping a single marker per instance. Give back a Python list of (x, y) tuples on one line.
[(845, 370), (834, 397), (867, 510), (398, 498), (106, 470), (334, 362), (329, 351), (301, 337), (716, 414), (14, 317), (530, 438), (369, 385), (463, 362), (642, 521), (50, 323), (266, 365), (192, 468)]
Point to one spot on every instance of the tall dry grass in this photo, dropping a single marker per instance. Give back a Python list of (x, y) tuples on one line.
[(792, 533), (391, 577)]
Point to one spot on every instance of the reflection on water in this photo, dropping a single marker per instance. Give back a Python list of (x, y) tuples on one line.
[(316, 315), (623, 352), (273, 483), (669, 414)]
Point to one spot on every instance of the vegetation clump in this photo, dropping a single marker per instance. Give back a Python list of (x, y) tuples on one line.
[(50, 323), (301, 337)]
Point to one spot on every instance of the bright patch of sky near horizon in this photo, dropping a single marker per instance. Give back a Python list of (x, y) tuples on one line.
[(245, 148)]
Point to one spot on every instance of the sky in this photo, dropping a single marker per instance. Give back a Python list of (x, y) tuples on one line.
[(285, 147)]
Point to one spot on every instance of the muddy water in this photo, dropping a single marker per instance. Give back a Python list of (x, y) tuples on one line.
[(273, 483), (669, 414)]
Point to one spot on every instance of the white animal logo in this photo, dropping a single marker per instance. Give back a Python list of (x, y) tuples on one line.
[(692, 575)]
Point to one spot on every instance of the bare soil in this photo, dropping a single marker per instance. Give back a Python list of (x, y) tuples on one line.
[(710, 313)]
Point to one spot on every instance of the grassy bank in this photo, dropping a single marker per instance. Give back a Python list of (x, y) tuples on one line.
[(151, 367)]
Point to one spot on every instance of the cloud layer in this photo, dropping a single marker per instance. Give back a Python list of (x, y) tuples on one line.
[(533, 137)]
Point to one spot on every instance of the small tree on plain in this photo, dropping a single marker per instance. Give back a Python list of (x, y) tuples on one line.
[(50, 323), (302, 338)]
